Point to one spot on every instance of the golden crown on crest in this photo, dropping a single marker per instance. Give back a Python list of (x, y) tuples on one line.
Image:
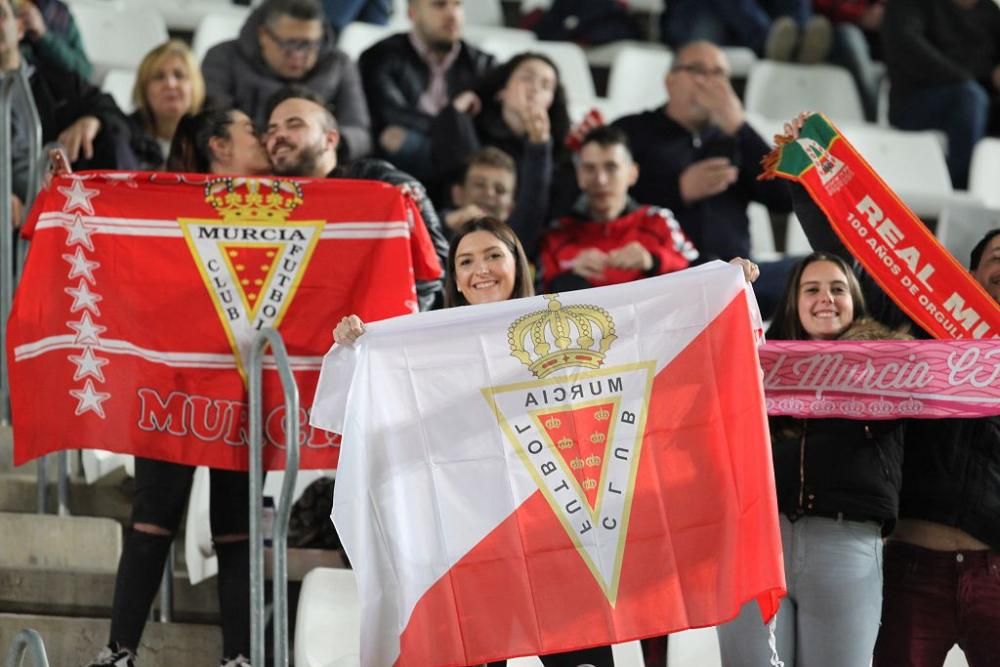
[(602, 415), (577, 464), (553, 422), (593, 461), (564, 443), (589, 484), (253, 200), (597, 438), (561, 337)]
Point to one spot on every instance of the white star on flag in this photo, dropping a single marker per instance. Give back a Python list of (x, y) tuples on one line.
[(88, 365), (81, 266), (79, 234), (86, 330), (89, 399), (78, 196), (84, 298)]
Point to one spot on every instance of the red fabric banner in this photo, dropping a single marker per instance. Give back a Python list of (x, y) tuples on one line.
[(892, 244), (142, 293)]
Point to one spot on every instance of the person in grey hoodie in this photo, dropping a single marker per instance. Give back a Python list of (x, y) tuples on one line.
[(283, 42)]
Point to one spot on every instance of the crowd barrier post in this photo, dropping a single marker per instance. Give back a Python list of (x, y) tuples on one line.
[(27, 641), (279, 577)]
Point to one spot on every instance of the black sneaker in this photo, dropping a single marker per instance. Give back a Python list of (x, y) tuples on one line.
[(113, 655)]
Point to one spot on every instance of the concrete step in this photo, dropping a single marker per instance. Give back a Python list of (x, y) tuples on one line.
[(55, 542), (75, 641), (109, 497), (26, 590)]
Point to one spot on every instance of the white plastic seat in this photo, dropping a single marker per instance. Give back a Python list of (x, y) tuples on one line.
[(119, 83), (636, 79), (694, 647), (796, 242), (199, 552), (216, 28), (911, 163), (984, 172), (328, 620), (962, 225), (761, 233), (117, 36), (186, 15), (476, 34), (484, 13), (358, 37), (628, 654), (741, 60), (781, 90)]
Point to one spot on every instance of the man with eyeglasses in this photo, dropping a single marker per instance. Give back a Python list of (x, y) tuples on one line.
[(698, 157), (284, 42)]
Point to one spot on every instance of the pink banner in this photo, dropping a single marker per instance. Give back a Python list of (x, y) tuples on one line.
[(882, 379)]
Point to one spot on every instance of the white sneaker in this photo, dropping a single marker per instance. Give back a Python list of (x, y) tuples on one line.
[(238, 661), (113, 655)]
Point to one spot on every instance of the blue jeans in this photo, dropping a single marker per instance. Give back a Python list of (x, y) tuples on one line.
[(960, 110), (833, 570), (727, 22)]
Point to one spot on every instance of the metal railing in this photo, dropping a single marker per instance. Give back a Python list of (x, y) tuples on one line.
[(279, 577), (12, 83), (27, 641)]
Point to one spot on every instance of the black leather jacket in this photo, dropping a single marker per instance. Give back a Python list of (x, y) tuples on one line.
[(430, 293), (395, 77), (951, 472)]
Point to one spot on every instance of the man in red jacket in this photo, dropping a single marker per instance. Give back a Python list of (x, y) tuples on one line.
[(608, 238)]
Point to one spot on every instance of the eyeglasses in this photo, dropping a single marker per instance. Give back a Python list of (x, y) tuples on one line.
[(292, 45), (701, 70)]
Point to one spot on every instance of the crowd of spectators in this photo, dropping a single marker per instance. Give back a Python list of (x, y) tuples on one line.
[(468, 136)]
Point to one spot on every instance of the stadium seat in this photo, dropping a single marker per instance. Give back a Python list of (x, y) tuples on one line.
[(796, 242), (357, 37), (628, 654), (761, 233), (186, 15), (636, 79), (781, 90), (328, 620), (694, 647), (911, 163), (984, 172), (961, 225), (199, 554), (741, 60), (215, 28), (476, 34), (484, 12), (117, 36), (119, 83)]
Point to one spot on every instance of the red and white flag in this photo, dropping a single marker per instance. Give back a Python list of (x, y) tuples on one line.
[(142, 294), (552, 473)]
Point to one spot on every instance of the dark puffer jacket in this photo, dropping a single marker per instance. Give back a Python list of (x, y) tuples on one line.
[(829, 466), (951, 474)]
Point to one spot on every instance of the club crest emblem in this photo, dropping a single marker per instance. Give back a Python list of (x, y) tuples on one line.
[(253, 259), (578, 427)]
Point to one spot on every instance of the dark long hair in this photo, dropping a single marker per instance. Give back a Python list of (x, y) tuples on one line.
[(506, 235), (493, 82), (189, 149), (787, 325)]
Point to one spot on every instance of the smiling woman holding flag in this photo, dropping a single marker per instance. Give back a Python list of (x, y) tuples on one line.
[(486, 264)]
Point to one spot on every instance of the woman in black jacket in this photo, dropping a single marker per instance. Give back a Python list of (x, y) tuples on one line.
[(838, 484)]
